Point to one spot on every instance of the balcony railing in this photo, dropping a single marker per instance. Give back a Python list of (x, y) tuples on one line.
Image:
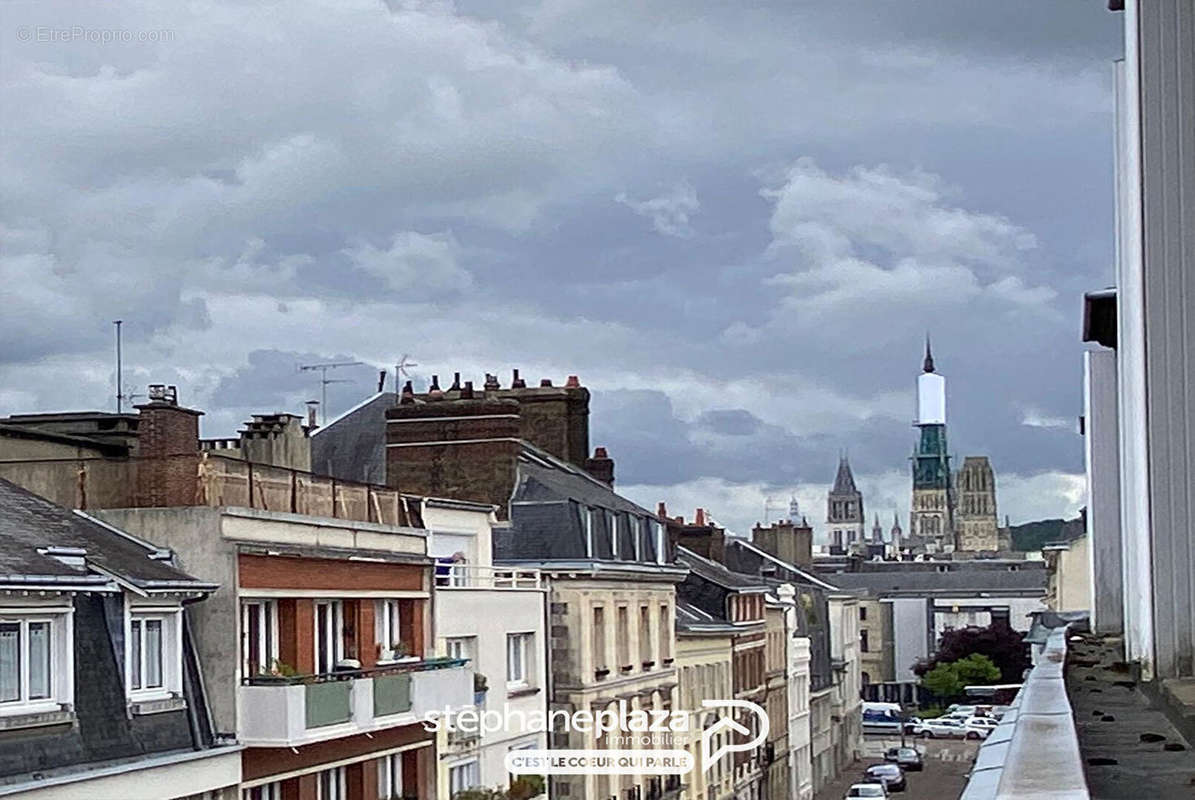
[(288, 711), (464, 576), (1034, 752)]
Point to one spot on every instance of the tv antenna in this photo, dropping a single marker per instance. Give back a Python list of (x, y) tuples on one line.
[(325, 380), (121, 394)]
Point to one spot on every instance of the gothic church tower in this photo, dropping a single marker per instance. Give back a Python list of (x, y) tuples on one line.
[(931, 523), (844, 511)]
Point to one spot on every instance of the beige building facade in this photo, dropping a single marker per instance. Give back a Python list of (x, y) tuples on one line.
[(703, 661), (1070, 575)]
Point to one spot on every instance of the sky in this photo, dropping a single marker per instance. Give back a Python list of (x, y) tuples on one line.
[(736, 222)]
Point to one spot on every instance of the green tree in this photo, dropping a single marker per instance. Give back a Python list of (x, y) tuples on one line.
[(943, 681), (976, 670)]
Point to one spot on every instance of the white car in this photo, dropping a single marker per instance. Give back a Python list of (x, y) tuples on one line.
[(874, 790), (941, 728), (979, 727)]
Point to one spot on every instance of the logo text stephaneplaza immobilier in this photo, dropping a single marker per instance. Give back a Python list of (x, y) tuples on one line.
[(662, 729)]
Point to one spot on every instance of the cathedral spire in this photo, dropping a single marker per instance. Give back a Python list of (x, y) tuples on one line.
[(928, 364), (844, 481)]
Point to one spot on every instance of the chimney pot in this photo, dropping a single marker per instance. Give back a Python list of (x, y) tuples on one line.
[(311, 406), (517, 382), (600, 452), (491, 382), (699, 517), (546, 382), (662, 510), (467, 391), (573, 382), (381, 380), (456, 382)]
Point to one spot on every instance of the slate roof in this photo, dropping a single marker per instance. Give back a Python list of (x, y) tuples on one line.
[(844, 481), (714, 572), (353, 445), (29, 522), (763, 555), (954, 582), (691, 619)]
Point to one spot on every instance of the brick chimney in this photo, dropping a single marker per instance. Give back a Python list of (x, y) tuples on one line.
[(601, 466), (787, 540), (553, 418), (701, 536), (465, 448), (168, 447)]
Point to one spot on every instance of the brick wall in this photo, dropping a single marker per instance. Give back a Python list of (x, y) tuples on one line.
[(170, 433)]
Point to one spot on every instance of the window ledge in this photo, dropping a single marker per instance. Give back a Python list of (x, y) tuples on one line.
[(513, 692), (139, 706), (36, 719)]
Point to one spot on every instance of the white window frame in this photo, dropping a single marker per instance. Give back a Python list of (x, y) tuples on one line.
[(519, 642), (62, 651), (661, 544), (172, 650), (265, 791), (335, 647), (461, 647), (390, 777), (337, 784), (266, 647), (473, 776), (589, 518), (387, 629)]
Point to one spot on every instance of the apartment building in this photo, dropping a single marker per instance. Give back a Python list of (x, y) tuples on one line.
[(704, 660), (100, 690), (1139, 402), (493, 617), (777, 632), (833, 667), (739, 600), (606, 562), (318, 647)]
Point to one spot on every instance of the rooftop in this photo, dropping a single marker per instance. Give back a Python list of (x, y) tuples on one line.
[(41, 542)]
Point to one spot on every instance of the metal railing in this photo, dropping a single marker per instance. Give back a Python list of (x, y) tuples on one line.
[(465, 576), (1034, 752), (420, 665)]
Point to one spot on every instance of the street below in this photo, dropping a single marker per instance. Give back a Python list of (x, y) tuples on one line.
[(947, 762)]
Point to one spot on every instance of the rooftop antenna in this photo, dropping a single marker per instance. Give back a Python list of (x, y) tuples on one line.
[(767, 508), (325, 380), (119, 386), (400, 370), (121, 394)]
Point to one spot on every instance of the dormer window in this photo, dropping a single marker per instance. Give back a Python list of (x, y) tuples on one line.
[(36, 665), (153, 652), (590, 523)]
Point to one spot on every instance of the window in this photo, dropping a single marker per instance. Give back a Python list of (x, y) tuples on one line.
[(329, 642), (145, 653), (460, 647), (331, 784), (661, 544), (259, 637), (518, 652), (665, 631), (589, 525), (623, 636), (388, 630), (599, 639), (27, 673), (464, 776), (645, 636), (267, 791), (863, 641), (863, 613), (153, 652), (390, 777)]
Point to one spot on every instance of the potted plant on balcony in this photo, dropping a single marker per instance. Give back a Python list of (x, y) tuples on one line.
[(480, 687), (279, 672)]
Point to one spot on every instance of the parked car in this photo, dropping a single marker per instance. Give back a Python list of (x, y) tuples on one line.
[(980, 727), (907, 758), (891, 776), (911, 723), (873, 790), (940, 728)]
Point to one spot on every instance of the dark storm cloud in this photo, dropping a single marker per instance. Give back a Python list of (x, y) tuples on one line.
[(736, 221)]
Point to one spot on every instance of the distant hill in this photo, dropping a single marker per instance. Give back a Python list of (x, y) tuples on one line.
[(1032, 535)]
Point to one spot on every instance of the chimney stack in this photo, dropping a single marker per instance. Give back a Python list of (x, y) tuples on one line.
[(169, 434), (311, 407), (517, 382), (601, 466)]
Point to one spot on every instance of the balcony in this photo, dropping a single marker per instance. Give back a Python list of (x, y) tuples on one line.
[(464, 576), (293, 711)]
